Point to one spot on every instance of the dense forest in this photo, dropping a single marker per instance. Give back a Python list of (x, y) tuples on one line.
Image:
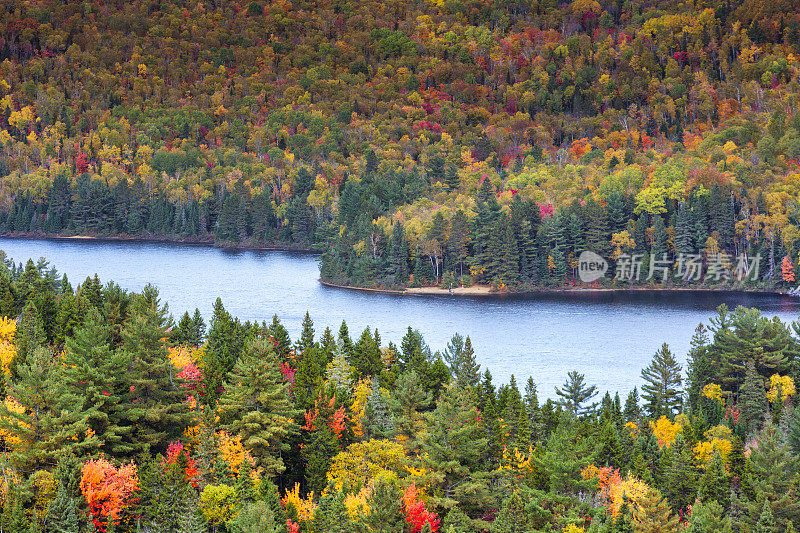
[(433, 142), (116, 418)]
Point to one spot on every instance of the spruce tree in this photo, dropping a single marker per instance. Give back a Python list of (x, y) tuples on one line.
[(715, 483), (654, 515), (255, 405), (61, 513), (331, 514), (378, 421), (408, 401), (753, 400), (770, 477), (385, 510), (254, 517), (708, 516), (661, 390), (452, 448)]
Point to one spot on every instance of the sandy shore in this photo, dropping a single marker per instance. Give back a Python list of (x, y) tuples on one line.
[(485, 290)]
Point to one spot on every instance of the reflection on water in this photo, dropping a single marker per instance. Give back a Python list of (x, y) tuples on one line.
[(609, 337)]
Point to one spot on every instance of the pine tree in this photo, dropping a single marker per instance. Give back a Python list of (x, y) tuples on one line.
[(662, 381), (53, 432), (91, 380), (154, 403), (574, 393), (408, 401), (256, 405)]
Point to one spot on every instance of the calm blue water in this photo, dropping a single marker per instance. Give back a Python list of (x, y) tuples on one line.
[(610, 338)]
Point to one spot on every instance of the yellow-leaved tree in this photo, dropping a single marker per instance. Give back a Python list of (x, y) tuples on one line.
[(8, 328), (361, 462)]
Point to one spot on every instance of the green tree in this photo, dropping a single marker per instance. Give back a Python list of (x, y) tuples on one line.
[(255, 405), (575, 393), (153, 405), (661, 390)]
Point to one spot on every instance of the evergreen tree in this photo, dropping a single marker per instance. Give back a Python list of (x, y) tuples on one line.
[(753, 400), (51, 433), (331, 514), (407, 402), (653, 515), (62, 516), (378, 421), (509, 268), (225, 342), (766, 521), (91, 380), (153, 405), (513, 516), (254, 517), (385, 511), (452, 448), (715, 483), (575, 393), (256, 405), (709, 517), (771, 480), (632, 411), (662, 381)]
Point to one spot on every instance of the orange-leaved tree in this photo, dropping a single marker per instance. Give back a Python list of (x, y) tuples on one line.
[(787, 270), (108, 490)]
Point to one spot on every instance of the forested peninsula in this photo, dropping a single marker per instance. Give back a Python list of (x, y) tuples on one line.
[(439, 143)]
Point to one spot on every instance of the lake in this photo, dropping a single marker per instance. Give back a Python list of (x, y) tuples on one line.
[(609, 337)]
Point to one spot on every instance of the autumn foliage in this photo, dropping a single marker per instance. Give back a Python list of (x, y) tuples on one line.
[(108, 490), (417, 515)]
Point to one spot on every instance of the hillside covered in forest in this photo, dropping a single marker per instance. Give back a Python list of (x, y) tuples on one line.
[(432, 142)]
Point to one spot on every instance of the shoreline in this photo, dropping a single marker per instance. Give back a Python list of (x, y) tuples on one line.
[(208, 243), (486, 291)]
